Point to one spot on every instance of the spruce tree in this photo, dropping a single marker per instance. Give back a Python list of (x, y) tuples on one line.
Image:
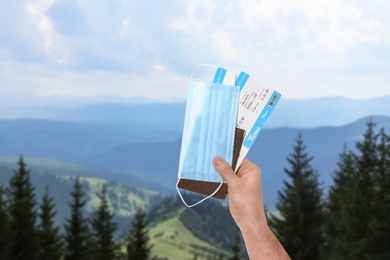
[(103, 228), (77, 234), (22, 211), (339, 209), (138, 247), (361, 211), (4, 227), (49, 234), (380, 220), (300, 207), (358, 224)]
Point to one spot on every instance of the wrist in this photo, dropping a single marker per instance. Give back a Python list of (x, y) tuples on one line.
[(255, 228), (253, 221), (260, 241)]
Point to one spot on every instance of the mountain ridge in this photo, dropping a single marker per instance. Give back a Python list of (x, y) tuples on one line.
[(312, 112), (159, 161)]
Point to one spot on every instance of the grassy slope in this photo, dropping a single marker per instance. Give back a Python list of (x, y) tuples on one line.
[(172, 240)]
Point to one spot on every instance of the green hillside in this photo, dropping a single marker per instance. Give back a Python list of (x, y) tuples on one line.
[(172, 240), (123, 198), (207, 229)]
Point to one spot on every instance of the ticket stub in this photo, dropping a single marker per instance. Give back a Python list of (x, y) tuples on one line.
[(256, 104)]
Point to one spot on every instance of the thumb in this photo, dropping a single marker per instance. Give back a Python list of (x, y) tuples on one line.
[(224, 169)]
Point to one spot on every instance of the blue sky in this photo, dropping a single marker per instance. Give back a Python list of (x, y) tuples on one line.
[(149, 48)]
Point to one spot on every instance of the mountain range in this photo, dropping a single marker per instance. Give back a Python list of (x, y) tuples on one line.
[(158, 162), (118, 138), (133, 146), (114, 154), (141, 112)]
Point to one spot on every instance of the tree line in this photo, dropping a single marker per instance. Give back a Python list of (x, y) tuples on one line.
[(28, 231), (353, 220)]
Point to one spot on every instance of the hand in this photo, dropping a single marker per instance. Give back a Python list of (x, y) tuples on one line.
[(244, 190), (246, 207)]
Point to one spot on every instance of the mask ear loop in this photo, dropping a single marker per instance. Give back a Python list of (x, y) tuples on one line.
[(197, 203)]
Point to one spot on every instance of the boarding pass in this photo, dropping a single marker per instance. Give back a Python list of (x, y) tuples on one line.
[(256, 104)]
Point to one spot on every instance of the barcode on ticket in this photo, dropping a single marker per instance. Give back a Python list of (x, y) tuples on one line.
[(274, 98)]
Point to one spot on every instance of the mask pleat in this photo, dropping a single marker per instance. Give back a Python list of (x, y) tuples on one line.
[(204, 129), (217, 134), (210, 134)]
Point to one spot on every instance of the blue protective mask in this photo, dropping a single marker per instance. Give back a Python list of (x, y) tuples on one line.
[(209, 128)]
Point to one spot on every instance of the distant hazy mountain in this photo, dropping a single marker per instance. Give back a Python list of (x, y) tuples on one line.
[(326, 111), (143, 113), (117, 151), (143, 139), (158, 162), (70, 141)]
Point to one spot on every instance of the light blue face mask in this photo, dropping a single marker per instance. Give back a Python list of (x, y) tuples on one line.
[(209, 129)]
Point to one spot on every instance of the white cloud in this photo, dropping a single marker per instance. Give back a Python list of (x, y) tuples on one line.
[(37, 17), (93, 47)]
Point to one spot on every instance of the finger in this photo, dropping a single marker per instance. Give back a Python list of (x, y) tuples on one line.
[(224, 169), (246, 167)]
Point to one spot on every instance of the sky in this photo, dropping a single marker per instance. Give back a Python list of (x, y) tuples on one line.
[(302, 48)]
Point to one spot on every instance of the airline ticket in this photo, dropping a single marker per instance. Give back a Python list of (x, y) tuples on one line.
[(256, 104)]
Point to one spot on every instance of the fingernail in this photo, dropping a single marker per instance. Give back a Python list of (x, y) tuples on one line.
[(217, 161)]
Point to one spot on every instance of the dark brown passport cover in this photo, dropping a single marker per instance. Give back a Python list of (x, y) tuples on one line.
[(207, 188)]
